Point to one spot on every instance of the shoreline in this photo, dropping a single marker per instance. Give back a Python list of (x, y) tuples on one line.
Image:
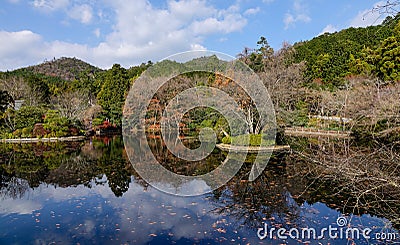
[(37, 140)]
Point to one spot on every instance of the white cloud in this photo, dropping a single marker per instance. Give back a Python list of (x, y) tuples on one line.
[(268, 1), (50, 5), (328, 29), (288, 20), (252, 11), (299, 13), (82, 13), (368, 17), (97, 32), (74, 9), (211, 25), (140, 32), (18, 48), (187, 10)]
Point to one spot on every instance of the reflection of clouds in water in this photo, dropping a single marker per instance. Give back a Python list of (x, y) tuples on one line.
[(137, 216), (144, 215), (88, 227), (19, 206), (82, 214), (59, 194), (195, 186), (190, 188)]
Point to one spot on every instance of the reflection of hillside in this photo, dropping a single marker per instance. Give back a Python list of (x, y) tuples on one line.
[(73, 171), (33, 162), (345, 177), (159, 166), (64, 165), (179, 166)]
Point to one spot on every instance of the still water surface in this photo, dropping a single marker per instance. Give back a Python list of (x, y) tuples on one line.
[(88, 193)]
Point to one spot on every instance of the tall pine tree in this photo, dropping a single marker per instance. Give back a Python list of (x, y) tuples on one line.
[(113, 93)]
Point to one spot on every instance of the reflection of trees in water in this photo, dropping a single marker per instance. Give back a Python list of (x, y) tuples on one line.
[(73, 171), (115, 165), (352, 178), (345, 177), (12, 187), (252, 203), (180, 166), (23, 166)]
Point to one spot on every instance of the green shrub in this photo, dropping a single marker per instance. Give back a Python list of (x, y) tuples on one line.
[(7, 135), (226, 140), (97, 121), (207, 123), (253, 140), (56, 124), (26, 132), (28, 116)]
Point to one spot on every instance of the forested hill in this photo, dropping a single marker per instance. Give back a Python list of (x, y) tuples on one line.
[(354, 51), (64, 68), (62, 94)]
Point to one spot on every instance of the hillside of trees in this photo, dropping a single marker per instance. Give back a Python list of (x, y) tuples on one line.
[(63, 97), (355, 51), (68, 69), (352, 76), (349, 77)]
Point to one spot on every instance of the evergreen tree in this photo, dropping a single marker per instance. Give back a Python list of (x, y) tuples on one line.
[(113, 93)]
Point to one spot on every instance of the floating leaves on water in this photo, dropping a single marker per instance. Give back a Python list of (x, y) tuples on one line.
[(220, 230)]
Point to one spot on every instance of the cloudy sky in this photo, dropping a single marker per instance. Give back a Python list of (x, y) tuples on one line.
[(105, 32)]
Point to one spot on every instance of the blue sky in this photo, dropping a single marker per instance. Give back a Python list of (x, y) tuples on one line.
[(105, 32)]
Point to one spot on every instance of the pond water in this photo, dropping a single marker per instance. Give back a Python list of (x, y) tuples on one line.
[(88, 193)]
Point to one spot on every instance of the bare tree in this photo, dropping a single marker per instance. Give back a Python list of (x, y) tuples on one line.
[(283, 81), (72, 105), (15, 86), (19, 89)]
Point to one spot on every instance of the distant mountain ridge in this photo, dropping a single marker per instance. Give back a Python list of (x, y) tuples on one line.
[(65, 68)]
